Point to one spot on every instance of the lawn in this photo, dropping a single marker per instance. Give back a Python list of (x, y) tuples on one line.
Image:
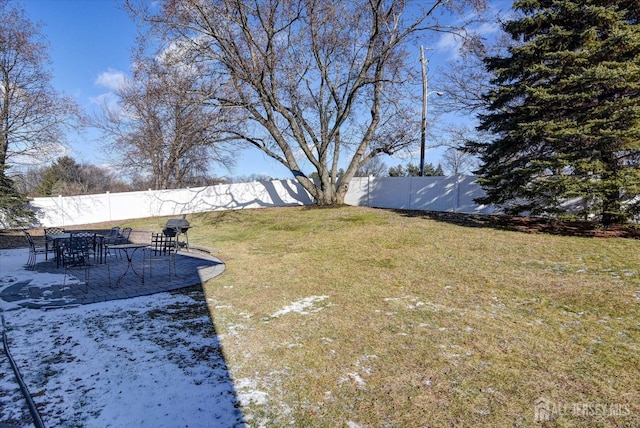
[(361, 317)]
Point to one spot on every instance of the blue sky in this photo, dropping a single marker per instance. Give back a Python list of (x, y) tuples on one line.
[(90, 45), (86, 39)]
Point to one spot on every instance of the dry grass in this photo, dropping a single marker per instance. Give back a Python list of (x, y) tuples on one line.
[(415, 322)]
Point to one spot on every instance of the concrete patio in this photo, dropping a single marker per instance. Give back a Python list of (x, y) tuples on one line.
[(193, 268)]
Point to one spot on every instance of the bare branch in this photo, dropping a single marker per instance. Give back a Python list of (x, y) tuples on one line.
[(32, 115), (321, 78)]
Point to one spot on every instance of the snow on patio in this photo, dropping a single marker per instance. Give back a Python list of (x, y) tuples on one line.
[(152, 361)]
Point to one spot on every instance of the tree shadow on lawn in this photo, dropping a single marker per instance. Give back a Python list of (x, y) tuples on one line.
[(529, 224)]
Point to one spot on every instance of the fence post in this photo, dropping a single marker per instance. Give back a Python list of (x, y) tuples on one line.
[(61, 199), (109, 204), (411, 198), (457, 202)]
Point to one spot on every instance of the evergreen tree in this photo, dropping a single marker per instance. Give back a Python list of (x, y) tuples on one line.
[(412, 170), (565, 111), (62, 173), (14, 210), (397, 171)]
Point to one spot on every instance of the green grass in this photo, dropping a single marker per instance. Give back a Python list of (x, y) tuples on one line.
[(417, 322)]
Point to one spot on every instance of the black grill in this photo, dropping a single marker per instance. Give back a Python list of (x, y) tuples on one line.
[(177, 227)]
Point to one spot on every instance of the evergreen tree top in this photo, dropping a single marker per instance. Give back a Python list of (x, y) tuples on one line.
[(565, 110)]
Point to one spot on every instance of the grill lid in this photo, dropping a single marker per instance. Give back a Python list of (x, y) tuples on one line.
[(176, 225), (180, 223)]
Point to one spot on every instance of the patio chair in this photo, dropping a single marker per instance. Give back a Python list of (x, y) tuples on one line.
[(117, 236), (162, 249), (124, 235), (48, 242), (112, 236), (111, 239), (34, 250), (76, 254), (92, 239)]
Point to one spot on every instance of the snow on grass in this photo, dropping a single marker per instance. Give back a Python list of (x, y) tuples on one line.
[(354, 378), (248, 394), (152, 361), (301, 306)]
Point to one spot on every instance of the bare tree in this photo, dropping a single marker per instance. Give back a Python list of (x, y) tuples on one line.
[(317, 80), (458, 162), (465, 79), (100, 179), (375, 167), (456, 159), (161, 124), (32, 115)]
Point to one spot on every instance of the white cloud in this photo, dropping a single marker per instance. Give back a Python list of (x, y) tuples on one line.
[(487, 29), (449, 42), (112, 79), (107, 101)]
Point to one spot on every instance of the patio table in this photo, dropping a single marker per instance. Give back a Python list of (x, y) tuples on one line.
[(55, 239), (53, 236), (129, 251), (60, 238)]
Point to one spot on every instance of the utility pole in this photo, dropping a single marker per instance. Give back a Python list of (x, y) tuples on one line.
[(425, 95), (425, 105)]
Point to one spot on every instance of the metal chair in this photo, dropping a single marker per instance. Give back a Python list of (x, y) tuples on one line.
[(162, 249), (34, 250), (124, 235), (117, 236), (76, 254), (111, 239), (113, 235), (50, 231), (92, 239)]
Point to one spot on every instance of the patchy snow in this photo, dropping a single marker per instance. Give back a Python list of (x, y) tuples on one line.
[(248, 394), (301, 306), (354, 378), (152, 361)]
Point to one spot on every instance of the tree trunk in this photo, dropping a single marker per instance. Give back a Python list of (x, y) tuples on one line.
[(612, 209), (612, 196), (325, 193)]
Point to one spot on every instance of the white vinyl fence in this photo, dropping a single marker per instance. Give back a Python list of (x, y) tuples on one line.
[(453, 193), (86, 209)]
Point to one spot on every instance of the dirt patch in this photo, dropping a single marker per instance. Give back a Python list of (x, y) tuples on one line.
[(14, 238), (532, 224)]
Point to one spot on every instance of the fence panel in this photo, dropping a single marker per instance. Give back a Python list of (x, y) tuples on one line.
[(453, 193), (449, 193), (468, 190), (358, 193), (87, 209), (433, 193), (390, 192)]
